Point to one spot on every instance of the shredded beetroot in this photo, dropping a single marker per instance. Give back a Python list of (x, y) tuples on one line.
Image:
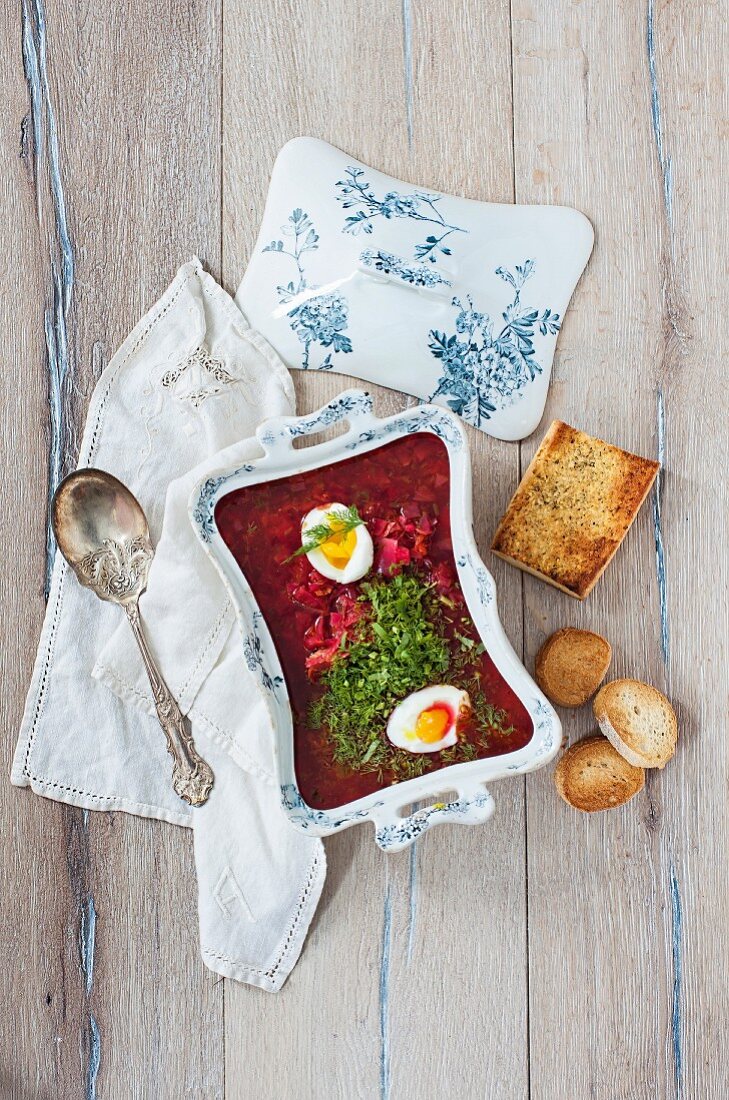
[(308, 588), (321, 659), (348, 610), (390, 556), (316, 635), (399, 540), (445, 581), (402, 539), (327, 635)]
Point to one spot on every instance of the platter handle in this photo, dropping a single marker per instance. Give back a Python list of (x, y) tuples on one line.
[(395, 831), (277, 436)]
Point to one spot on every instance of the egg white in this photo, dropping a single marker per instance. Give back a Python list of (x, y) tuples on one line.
[(402, 721), (363, 554)]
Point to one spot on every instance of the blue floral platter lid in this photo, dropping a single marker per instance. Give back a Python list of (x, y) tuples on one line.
[(451, 300)]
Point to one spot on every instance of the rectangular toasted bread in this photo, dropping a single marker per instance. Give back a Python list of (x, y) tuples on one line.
[(573, 508)]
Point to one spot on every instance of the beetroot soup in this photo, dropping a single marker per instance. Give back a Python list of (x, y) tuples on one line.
[(387, 676)]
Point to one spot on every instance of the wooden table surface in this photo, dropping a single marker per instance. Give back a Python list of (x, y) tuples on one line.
[(548, 955)]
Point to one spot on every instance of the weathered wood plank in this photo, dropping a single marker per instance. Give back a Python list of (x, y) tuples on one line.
[(408, 951), (330, 1011), (622, 906), (458, 1016), (687, 48), (117, 182), (41, 1013)]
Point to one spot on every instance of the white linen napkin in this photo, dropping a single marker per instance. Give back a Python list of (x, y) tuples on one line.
[(191, 379)]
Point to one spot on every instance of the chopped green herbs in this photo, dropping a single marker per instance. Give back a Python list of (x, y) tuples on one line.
[(488, 719), (340, 522), (459, 754), (401, 646), (397, 650)]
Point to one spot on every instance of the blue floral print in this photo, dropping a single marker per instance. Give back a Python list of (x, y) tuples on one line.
[(253, 653), (204, 509), (317, 319), (400, 833), (483, 372), (415, 274), (305, 816), (484, 581), (351, 402), (355, 193), (421, 419)]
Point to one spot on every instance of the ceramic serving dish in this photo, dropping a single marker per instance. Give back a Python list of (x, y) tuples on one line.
[(455, 301), (395, 827)]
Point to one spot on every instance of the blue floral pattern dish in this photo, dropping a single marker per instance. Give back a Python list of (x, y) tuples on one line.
[(483, 372), (315, 318), (358, 272), (395, 828), (415, 274), (420, 206)]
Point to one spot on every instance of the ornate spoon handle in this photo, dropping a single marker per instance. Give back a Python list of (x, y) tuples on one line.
[(192, 778)]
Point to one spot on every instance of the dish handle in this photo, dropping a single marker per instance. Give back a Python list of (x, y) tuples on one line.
[(276, 436), (395, 831)]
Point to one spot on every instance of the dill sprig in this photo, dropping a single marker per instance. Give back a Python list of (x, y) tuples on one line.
[(339, 522)]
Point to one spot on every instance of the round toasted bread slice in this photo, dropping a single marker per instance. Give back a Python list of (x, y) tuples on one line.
[(639, 721), (592, 776), (571, 665)]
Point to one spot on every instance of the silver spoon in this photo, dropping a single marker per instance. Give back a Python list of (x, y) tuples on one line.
[(102, 533)]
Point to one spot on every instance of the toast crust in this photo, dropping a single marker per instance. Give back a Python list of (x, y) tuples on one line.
[(573, 508), (639, 722), (592, 776), (571, 665)]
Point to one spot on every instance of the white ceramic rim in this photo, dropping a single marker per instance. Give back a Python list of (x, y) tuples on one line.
[(395, 828)]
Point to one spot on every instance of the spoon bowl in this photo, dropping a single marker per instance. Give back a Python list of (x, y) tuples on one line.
[(103, 534)]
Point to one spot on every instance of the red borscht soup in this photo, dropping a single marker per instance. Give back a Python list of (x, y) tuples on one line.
[(387, 676)]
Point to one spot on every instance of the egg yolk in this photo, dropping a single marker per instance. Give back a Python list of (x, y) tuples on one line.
[(433, 723), (339, 547)]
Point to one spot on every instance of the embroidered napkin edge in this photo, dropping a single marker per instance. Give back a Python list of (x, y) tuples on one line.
[(289, 949)]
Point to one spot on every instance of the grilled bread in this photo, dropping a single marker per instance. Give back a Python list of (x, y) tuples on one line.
[(639, 721), (573, 508), (592, 776), (571, 665)]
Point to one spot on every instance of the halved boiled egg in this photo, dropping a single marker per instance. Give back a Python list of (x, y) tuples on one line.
[(426, 721), (346, 554)]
